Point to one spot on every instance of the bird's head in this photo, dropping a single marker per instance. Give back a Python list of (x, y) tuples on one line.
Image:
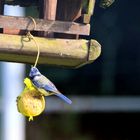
[(34, 72)]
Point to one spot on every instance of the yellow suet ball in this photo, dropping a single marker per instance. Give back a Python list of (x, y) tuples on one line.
[(30, 102)]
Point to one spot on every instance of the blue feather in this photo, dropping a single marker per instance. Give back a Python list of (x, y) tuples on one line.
[(67, 100), (51, 89), (57, 93)]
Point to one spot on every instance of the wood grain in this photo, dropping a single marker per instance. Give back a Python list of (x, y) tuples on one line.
[(24, 23), (58, 52)]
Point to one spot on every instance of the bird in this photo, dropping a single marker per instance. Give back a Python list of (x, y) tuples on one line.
[(45, 86), (30, 102)]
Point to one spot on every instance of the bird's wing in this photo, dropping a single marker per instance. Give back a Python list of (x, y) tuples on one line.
[(51, 88), (48, 85), (38, 83), (43, 83)]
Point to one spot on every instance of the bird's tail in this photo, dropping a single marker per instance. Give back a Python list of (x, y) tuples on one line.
[(63, 97)]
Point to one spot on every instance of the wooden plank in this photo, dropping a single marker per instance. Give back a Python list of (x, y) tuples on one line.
[(24, 23), (58, 52)]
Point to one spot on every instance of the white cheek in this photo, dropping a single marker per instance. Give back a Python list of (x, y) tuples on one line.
[(36, 77)]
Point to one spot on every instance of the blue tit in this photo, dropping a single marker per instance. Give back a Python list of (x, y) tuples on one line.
[(44, 85)]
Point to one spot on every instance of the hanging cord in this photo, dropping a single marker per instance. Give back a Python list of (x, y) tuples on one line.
[(30, 36)]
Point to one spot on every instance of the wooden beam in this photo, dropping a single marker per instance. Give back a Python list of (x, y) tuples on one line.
[(91, 7), (50, 9), (47, 11), (89, 12), (58, 52), (24, 23)]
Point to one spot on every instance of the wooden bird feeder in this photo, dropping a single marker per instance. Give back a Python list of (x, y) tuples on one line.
[(59, 30)]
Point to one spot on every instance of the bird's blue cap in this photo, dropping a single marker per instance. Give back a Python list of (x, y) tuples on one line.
[(34, 72)]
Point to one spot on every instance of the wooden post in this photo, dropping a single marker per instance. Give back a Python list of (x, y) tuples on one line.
[(48, 11), (89, 12)]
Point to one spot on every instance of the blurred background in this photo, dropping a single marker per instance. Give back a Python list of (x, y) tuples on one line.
[(105, 94)]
